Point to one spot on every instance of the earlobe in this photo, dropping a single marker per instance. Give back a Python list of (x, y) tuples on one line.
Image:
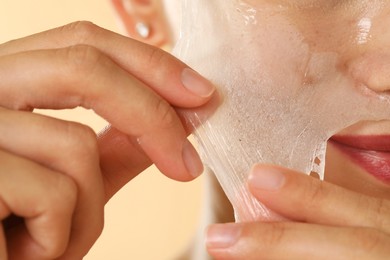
[(144, 20)]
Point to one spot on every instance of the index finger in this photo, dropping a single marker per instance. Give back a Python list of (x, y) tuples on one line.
[(165, 74), (82, 76)]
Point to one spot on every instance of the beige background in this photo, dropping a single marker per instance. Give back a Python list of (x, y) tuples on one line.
[(152, 217)]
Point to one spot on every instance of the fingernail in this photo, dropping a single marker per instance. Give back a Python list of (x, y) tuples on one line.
[(195, 83), (192, 160), (266, 178), (222, 235)]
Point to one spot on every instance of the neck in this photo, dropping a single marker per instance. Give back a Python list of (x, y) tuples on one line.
[(216, 209)]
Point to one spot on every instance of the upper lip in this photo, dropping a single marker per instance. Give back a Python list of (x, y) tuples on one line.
[(380, 143)]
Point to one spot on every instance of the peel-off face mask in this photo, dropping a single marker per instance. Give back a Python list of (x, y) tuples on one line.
[(286, 78)]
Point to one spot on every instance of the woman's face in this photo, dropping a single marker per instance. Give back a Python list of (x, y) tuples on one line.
[(357, 31), (296, 44)]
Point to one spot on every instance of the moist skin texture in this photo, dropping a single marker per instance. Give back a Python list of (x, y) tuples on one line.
[(291, 74)]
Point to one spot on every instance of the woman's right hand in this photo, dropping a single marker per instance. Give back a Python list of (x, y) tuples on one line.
[(133, 86)]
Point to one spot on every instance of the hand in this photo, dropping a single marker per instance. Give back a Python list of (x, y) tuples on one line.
[(121, 79), (327, 222), (132, 85), (49, 177)]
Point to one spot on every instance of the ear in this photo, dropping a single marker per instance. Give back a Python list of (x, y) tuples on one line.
[(144, 20)]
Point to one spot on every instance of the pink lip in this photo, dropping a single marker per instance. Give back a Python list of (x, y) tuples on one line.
[(372, 153)]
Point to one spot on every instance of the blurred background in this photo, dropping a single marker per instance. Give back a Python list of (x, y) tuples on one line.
[(152, 217)]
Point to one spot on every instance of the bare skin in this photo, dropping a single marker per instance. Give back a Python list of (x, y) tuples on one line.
[(62, 173)]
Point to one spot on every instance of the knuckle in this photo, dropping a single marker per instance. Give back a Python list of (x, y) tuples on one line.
[(164, 115), (369, 240), (381, 209), (80, 141), (66, 193), (81, 31), (156, 57), (315, 193), (273, 235), (82, 60)]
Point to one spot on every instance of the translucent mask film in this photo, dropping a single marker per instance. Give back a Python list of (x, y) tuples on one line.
[(281, 100)]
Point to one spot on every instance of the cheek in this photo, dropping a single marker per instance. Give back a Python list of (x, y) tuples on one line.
[(283, 95), (309, 45), (271, 51), (274, 51)]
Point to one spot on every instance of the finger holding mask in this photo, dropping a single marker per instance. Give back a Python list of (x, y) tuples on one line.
[(81, 64), (304, 85)]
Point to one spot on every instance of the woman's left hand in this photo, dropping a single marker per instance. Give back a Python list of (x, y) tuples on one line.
[(327, 222)]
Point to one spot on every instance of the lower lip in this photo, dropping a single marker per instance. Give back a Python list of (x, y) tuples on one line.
[(376, 163)]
